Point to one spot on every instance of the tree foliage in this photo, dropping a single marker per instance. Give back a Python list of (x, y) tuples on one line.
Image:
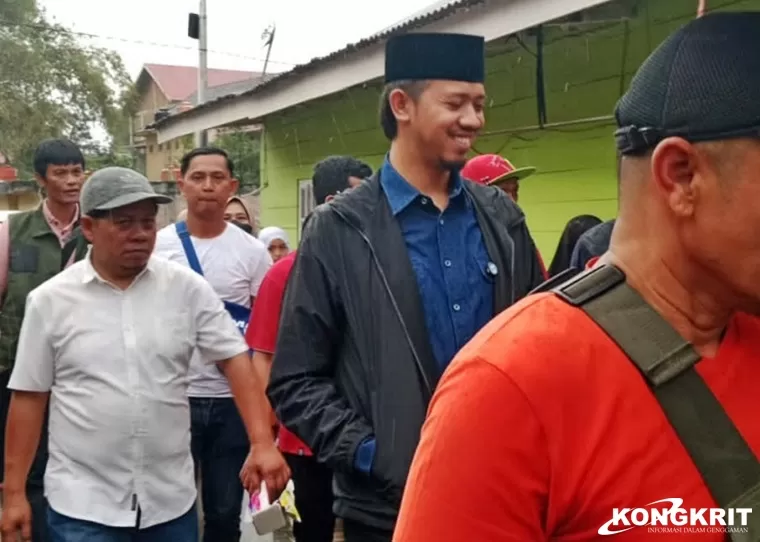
[(51, 85), (244, 150), (108, 158)]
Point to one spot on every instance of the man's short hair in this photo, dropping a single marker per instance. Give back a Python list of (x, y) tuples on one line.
[(56, 152), (184, 165), (388, 121), (331, 175)]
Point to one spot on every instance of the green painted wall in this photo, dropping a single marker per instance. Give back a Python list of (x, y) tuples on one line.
[(585, 73)]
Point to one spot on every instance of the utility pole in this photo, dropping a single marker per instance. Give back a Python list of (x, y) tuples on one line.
[(268, 36), (197, 29)]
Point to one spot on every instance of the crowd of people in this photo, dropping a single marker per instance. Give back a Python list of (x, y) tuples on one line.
[(413, 367)]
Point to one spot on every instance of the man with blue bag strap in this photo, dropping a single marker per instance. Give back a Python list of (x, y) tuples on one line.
[(240, 313), (234, 263)]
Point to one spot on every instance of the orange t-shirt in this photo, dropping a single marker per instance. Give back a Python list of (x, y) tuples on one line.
[(541, 427)]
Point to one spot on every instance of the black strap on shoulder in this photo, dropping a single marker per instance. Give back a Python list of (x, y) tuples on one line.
[(76, 246), (556, 280), (69, 248), (727, 465)]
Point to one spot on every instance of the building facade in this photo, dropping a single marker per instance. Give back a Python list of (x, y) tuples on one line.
[(554, 74), (166, 90)]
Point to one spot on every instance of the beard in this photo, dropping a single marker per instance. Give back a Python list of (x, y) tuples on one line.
[(452, 166)]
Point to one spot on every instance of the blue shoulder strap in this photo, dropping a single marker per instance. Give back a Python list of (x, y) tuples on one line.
[(187, 244)]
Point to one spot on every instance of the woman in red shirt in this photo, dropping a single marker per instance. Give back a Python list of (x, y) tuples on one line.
[(313, 480)]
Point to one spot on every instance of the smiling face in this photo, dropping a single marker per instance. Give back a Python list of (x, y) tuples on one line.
[(444, 120), (235, 212)]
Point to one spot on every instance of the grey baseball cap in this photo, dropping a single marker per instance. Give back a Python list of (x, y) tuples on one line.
[(113, 187)]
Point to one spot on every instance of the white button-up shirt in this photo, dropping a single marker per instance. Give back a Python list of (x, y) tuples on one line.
[(116, 364)]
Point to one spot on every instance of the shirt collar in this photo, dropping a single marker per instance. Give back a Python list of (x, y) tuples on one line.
[(54, 222), (90, 274), (401, 194)]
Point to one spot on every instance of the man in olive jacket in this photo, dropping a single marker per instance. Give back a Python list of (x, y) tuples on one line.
[(33, 248)]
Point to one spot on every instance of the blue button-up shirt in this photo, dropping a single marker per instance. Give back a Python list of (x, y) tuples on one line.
[(449, 258)]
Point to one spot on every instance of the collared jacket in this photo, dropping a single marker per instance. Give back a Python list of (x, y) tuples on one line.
[(353, 358), (592, 244)]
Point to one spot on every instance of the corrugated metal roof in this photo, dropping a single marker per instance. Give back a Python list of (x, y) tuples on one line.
[(434, 12), (431, 8), (230, 89)]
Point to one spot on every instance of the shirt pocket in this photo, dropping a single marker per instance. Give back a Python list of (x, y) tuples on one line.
[(172, 336), (484, 270), (24, 259), (481, 284)]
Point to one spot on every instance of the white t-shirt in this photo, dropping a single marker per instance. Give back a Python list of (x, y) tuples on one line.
[(234, 263)]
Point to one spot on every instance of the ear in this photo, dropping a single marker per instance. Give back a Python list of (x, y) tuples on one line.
[(181, 185), (677, 167), (329, 198), (401, 105), (40, 180), (234, 185), (87, 225)]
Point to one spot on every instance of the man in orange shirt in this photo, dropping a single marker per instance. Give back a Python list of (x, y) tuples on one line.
[(542, 428)]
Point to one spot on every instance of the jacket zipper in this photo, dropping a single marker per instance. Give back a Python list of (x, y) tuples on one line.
[(386, 285)]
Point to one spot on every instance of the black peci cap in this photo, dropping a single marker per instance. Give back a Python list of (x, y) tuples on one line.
[(416, 57), (702, 83)]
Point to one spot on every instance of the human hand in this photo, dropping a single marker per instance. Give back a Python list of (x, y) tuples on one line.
[(16, 518), (265, 462)]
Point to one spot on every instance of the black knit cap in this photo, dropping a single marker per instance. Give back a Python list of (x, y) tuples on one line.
[(702, 84), (454, 57)]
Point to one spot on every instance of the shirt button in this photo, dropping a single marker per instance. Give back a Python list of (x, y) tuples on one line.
[(447, 263), (424, 201), (456, 307), (441, 222)]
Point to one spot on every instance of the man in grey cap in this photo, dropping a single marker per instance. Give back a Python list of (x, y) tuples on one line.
[(109, 341), (625, 401)]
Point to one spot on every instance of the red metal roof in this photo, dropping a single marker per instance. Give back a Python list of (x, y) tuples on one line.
[(179, 82)]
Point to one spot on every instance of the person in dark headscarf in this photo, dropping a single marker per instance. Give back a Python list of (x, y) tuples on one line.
[(591, 245), (596, 241), (574, 229)]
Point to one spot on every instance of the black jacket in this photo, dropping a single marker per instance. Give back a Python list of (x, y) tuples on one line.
[(353, 357)]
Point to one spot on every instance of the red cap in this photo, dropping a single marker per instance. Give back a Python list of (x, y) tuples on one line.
[(492, 168)]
